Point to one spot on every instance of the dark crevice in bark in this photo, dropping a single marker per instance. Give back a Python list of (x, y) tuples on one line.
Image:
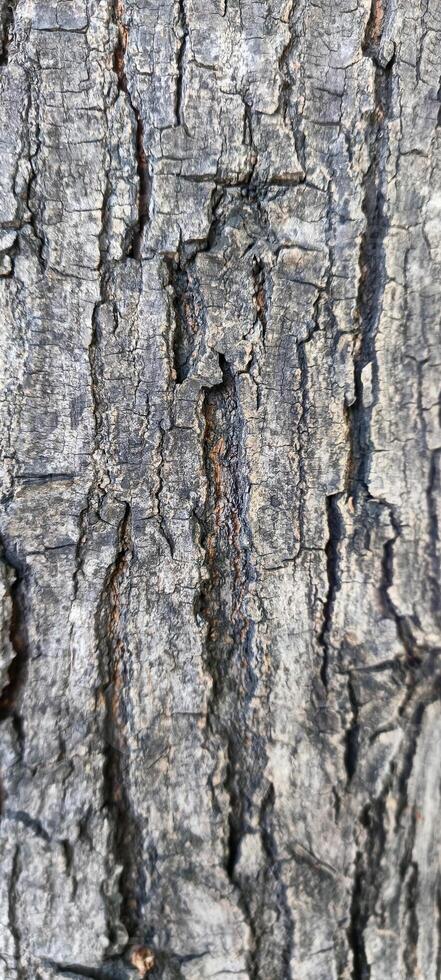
[(19, 640), (262, 299), (33, 206), (288, 110), (231, 657), (230, 649), (95, 347), (367, 880), (335, 534), (408, 756), (96, 364), (13, 907), (226, 538), (7, 16), (410, 952), (375, 818), (372, 262), (302, 434), (360, 966), (142, 163), (352, 735), (180, 61), (402, 625), (111, 625), (31, 822), (188, 315), (260, 295), (160, 485), (273, 870), (433, 495), (111, 971), (374, 29)]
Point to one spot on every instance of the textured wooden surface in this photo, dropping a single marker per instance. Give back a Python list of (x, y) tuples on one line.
[(220, 257)]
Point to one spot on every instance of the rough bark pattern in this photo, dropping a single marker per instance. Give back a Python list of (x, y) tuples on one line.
[(220, 705)]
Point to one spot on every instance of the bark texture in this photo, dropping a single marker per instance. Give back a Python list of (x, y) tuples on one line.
[(220, 256)]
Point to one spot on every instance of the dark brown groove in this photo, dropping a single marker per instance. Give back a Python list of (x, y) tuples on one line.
[(142, 163), (332, 548), (111, 627), (7, 17), (229, 656), (18, 633), (372, 259), (188, 315), (183, 26)]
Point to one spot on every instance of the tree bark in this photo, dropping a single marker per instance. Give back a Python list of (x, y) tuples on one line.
[(220, 256)]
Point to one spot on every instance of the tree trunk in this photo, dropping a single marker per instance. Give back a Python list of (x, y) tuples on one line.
[(220, 693)]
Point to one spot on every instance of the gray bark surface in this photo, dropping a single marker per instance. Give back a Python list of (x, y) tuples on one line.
[(220, 714)]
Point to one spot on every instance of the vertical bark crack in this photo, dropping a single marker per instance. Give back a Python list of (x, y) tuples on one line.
[(335, 534), (7, 17), (188, 314), (18, 635), (230, 632), (142, 163), (180, 61), (111, 624), (372, 259), (21, 973)]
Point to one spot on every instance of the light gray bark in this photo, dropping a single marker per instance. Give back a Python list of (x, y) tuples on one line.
[(220, 322)]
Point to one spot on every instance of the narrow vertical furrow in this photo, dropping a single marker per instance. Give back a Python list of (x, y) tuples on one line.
[(20, 972), (17, 573), (18, 634), (230, 653), (233, 661), (372, 256), (369, 306), (226, 540), (115, 679), (180, 61), (188, 316), (335, 535), (7, 16), (142, 163)]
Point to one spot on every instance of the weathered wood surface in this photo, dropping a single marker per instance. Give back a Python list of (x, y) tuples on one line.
[(220, 297)]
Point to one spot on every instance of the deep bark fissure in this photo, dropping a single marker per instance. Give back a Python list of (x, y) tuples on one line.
[(13, 907), (142, 162), (18, 636), (352, 734), (370, 297), (433, 494), (180, 61), (335, 535), (360, 966), (371, 261), (366, 880), (273, 870), (225, 532), (115, 677), (7, 17), (34, 212), (230, 653), (188, 315), (410, 953), (289, 110), (163, 527)]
